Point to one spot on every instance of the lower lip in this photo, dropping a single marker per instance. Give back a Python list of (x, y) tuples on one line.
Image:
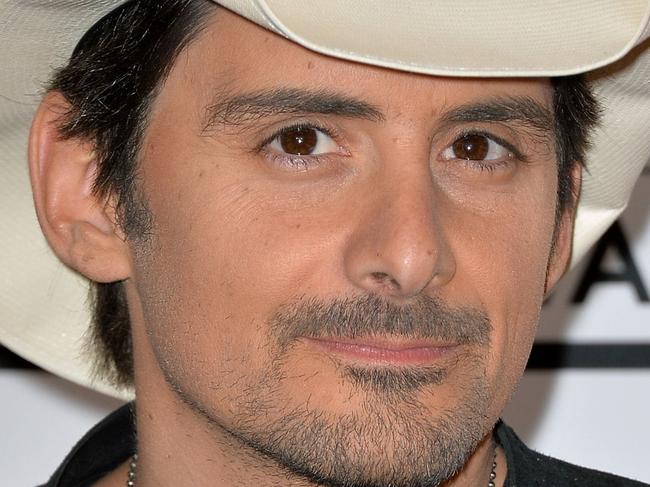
[(384, 355)]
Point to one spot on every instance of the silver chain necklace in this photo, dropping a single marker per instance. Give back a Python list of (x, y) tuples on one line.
[(133, 465), (493, 472)]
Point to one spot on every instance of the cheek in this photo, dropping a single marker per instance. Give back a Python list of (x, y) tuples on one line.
[(502, 253), (225, 254)]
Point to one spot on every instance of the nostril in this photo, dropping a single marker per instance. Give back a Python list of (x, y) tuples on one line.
[(379, 276), (385, 280)]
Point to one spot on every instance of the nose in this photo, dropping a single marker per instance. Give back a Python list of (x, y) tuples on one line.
[(399, 247)]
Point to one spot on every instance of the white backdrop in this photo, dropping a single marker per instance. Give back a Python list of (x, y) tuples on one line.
[(599, 417), (593, 416)]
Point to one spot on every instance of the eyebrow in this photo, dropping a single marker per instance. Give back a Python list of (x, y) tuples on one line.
[(243, 108), (239, 109), (525, 110)]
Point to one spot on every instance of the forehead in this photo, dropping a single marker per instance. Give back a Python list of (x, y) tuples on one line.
[(233, 54)]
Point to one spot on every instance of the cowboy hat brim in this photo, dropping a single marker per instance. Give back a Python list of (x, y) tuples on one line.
[(43, 305)]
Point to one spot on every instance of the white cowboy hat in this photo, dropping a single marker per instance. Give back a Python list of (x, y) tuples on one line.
[(43, 312)]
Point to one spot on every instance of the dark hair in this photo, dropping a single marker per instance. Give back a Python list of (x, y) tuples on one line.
[(576, 113), (110, 81)]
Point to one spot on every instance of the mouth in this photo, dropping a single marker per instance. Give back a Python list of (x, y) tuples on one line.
[(385, 350)]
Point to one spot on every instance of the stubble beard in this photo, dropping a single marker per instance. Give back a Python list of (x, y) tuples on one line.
[(391, 438)]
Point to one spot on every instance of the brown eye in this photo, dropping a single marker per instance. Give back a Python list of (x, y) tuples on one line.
[(477, 148), (471, 147), (301, 146), (298, 141)]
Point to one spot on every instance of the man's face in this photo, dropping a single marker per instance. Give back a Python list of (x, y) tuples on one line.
[(347, 263)]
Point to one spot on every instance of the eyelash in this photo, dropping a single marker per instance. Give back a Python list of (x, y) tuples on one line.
[(305, 162), (494, 165), (295, 161)]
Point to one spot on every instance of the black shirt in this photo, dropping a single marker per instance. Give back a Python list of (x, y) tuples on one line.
[(112, 441)]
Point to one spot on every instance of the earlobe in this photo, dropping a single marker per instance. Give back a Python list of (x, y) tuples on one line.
[(80, 227), (561, 254)]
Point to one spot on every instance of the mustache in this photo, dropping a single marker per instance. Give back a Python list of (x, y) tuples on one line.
[(424, 317)]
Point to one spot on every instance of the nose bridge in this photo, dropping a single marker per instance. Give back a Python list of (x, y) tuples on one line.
[(400, 247)]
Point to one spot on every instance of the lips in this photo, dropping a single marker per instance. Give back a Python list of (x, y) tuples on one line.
[(385, 350)]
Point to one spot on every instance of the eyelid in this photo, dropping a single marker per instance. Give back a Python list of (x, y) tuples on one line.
[(300, 162), (329, 131), (495, 138)]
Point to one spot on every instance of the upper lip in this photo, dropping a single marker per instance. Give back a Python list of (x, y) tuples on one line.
[(393, 343)]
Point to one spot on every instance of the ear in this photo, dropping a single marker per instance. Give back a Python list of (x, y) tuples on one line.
[(80, 228), (561, 253)]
